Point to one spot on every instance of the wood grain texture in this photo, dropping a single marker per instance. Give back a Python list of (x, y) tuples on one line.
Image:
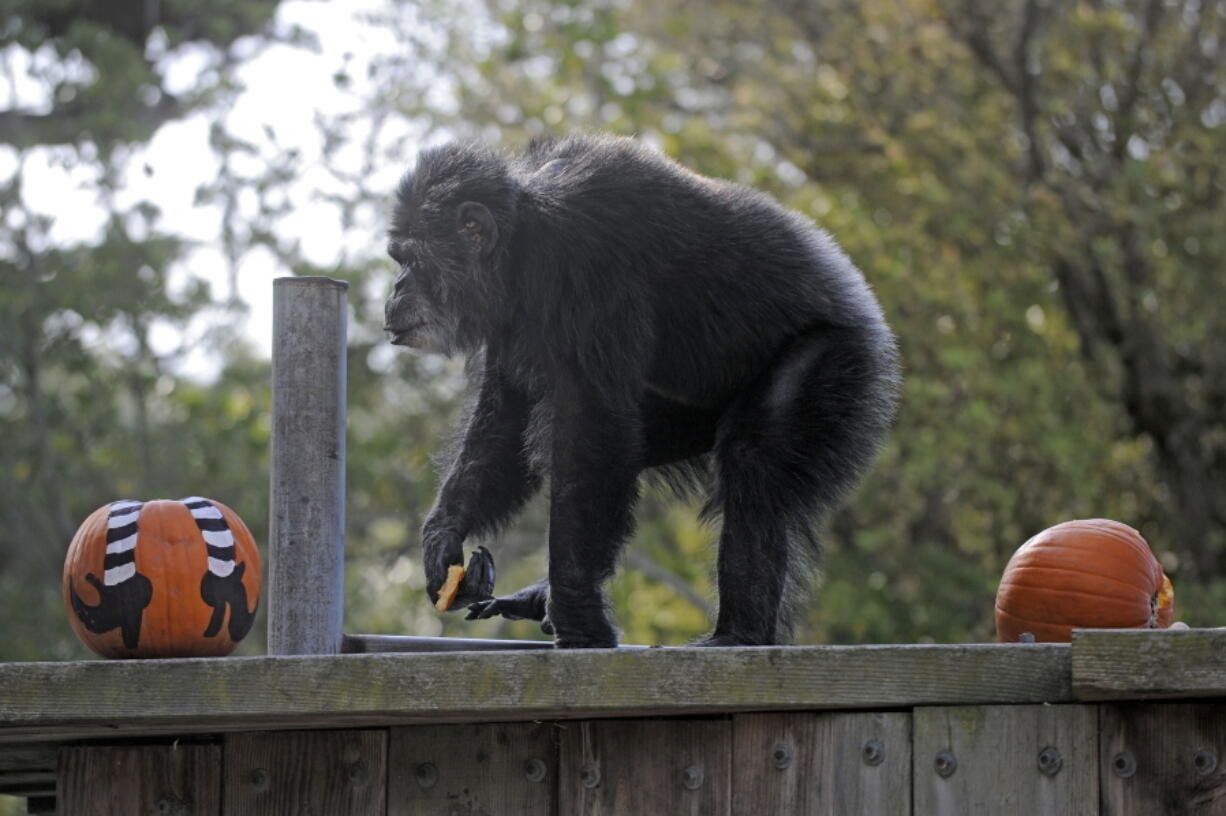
[(494, 769), (629, 767), (1113, 664), (1176, 754), (28, 770), (999, 770), (822, 764), (337, 773), (59, 700), (147, 780)]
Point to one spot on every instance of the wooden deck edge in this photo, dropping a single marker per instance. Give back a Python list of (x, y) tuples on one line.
[(55, 701), (1140, 664), (27, 769)]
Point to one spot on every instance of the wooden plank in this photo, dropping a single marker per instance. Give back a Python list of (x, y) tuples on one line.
[(616, 767), (28, 770), (184, 780), (41, 701), (1038, 760), (41, 805), (506, 769), (333, 772), (1163, 758), (1113, 664), (822, 764)]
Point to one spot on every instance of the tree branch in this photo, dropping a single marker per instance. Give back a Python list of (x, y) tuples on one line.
[(655, 572), (67, 125), (1131, 91)]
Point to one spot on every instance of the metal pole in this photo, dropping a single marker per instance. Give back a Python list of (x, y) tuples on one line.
[(363, 644), (367, 644), (307, 513)]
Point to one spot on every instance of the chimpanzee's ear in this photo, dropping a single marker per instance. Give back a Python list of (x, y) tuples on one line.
[(477, 227)]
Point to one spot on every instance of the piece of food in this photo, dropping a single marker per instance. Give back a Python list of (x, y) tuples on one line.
[(467, 585), (455, 574), (1086, 574)]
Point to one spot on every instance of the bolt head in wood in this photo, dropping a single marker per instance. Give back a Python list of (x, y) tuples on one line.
[(1124, 764), (1205, 761), (873, 752), (535, 770), (946, 763), (1050, 761), (589, 776), (358, 773), (781, 756), (691, 777), (426, 775), (258, 779), (171, 805)]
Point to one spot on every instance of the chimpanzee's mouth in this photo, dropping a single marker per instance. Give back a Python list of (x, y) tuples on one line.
[(402, 336)]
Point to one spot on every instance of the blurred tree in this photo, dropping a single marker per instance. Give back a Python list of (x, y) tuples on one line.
[(1120, 107), (1035, 270), (100, 72), (91, 408), (1035, 196)]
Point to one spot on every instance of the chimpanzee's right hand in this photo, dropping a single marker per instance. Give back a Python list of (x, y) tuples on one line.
[(441, 548)]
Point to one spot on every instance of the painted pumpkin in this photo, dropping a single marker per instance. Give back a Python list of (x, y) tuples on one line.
[(162, 579), (1086, 574)]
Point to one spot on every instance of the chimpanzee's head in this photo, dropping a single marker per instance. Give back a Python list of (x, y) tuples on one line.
[(452, 225)]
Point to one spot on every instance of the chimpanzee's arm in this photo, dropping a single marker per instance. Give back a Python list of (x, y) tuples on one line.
[(488, 480)]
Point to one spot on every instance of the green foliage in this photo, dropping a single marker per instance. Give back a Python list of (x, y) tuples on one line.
[(907, 131), (91, 405), (1009, 189)]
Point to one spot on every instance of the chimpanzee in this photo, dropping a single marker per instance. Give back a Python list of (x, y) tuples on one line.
[(625, 314)]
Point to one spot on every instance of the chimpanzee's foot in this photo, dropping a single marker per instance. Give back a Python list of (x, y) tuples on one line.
[(527, 604), (718, 639), (600, 635), (586, 627), (586, 642)]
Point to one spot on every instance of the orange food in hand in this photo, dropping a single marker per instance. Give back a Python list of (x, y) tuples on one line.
[(455, 574)]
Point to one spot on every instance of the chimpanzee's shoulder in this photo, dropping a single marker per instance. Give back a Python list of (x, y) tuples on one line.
[(581, 161)]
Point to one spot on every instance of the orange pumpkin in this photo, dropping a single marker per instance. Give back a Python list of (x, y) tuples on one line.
[(1086, 574), (162, 579)]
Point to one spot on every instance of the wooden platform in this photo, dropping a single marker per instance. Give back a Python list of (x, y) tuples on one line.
[(1096, 727)]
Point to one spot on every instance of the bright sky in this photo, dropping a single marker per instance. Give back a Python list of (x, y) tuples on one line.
[(286, 89)]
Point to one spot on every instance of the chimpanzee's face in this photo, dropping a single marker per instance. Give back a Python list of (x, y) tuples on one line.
[(417, 314), (443, 240)]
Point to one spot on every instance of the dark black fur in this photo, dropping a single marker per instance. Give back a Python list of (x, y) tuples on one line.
[(627, 314)]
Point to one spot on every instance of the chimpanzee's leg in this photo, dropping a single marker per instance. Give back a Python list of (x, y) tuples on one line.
[(788, 450), (672, 432), (526, 604)]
